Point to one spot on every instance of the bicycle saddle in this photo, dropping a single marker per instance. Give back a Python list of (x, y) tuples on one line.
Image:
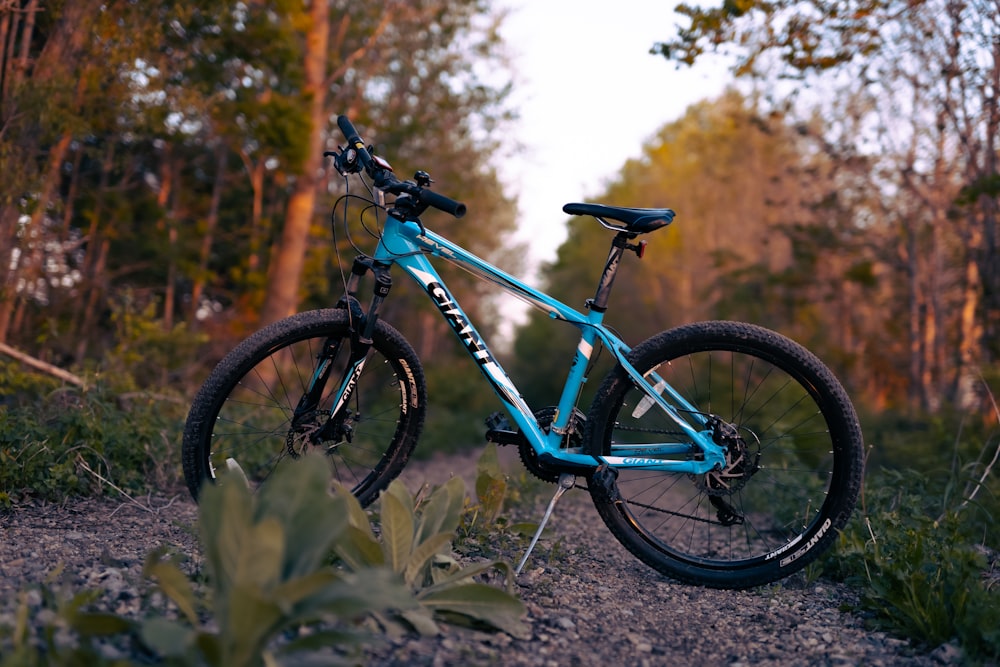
[(636, 220)]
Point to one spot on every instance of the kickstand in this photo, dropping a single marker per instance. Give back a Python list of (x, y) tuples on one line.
[(566, 482)]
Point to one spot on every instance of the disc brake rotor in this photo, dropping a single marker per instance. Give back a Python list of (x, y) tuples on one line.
[(742, 461)]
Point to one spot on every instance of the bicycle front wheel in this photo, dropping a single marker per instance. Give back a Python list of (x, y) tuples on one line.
[(249, 413), (794, 461)]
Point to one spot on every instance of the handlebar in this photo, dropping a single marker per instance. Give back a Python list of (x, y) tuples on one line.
[(385, 180)]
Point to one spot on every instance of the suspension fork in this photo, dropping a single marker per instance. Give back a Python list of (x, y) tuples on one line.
[(362, 329)]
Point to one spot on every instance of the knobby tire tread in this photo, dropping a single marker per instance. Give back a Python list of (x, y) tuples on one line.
[(326, 322), (793, 358)]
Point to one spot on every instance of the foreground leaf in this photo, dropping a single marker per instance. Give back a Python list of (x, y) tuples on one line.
[(482, 603)]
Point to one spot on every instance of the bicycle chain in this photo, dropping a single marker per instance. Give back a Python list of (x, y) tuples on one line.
[(666, 511)]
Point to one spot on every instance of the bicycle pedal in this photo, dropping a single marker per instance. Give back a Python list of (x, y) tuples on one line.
[(603, 480), (497, 422), (499, 431)]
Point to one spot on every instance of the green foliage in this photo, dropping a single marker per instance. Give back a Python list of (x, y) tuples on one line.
[(921, 567), (72, 635), (730, 174), (459, 401), (415, 542), (266, 560), (145, 352), (484, 524), (270, 595), (807, 36), (57, 442), (491, 486)]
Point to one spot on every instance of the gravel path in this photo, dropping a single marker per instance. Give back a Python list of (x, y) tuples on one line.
[(589, 601)]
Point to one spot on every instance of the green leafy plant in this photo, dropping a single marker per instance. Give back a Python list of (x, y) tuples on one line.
[(71, 635), (487, 529), (61, 442), (272, 594), (414, 540)]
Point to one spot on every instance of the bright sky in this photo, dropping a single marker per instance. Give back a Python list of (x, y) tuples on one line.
[(589, 94)]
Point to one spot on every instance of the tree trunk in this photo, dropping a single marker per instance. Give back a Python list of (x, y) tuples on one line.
[(29, 27), (93, 263), (208, 238), (913, 296), (285, 271), (97, 289), (256, 174), (8, 27), (969, 338), (989, 270), (171, 202)]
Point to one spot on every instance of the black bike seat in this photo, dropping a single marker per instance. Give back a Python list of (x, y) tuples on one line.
[(637, 220)]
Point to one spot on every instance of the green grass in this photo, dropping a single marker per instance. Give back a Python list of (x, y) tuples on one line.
[(61, 441)]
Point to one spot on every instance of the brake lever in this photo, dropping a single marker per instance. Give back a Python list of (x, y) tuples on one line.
[(344, 160)]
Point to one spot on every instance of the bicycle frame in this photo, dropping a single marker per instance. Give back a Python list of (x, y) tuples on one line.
[(408, 244)]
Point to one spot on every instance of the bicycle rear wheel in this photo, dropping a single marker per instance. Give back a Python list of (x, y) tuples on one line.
[(794, 462), (243, 414)]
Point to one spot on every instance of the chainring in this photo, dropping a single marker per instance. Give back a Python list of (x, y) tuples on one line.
[(572, 438)]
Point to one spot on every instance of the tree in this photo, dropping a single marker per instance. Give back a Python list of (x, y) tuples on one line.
[(929, 71), (735, 179), (406, 59), (162, 160), (63, 86)]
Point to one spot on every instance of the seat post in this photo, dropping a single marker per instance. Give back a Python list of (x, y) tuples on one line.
[(618, 246)]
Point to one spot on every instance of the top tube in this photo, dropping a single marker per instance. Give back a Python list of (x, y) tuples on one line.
[(402, 239)]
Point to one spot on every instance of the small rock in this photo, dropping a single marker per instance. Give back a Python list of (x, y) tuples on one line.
[(947, 654)]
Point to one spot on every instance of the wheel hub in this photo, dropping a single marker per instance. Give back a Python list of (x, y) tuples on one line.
[(314, 428), (742, 460)]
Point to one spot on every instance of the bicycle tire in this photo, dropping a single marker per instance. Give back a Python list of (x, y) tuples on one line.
[(243, 410), (783, 503)]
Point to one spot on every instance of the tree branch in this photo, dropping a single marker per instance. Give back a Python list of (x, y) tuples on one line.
[(358, 53), (40, 365)]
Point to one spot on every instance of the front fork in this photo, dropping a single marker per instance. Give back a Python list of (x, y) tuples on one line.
[(362, 329)]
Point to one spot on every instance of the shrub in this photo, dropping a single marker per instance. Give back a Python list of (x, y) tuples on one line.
[(921, 566), (57, 442)]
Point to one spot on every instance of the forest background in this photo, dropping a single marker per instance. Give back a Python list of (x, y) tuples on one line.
[(163, 195)]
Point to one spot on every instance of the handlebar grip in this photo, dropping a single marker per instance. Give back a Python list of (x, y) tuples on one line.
[(347, 128), (354, 141), (442, 203)]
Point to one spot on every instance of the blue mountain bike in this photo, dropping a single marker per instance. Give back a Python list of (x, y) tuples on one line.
[(719, 453)]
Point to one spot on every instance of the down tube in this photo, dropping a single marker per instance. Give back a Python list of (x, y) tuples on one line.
[(424, 273)]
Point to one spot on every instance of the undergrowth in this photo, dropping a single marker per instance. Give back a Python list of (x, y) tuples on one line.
[(273, 592), (58, 441), (922, 549)]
